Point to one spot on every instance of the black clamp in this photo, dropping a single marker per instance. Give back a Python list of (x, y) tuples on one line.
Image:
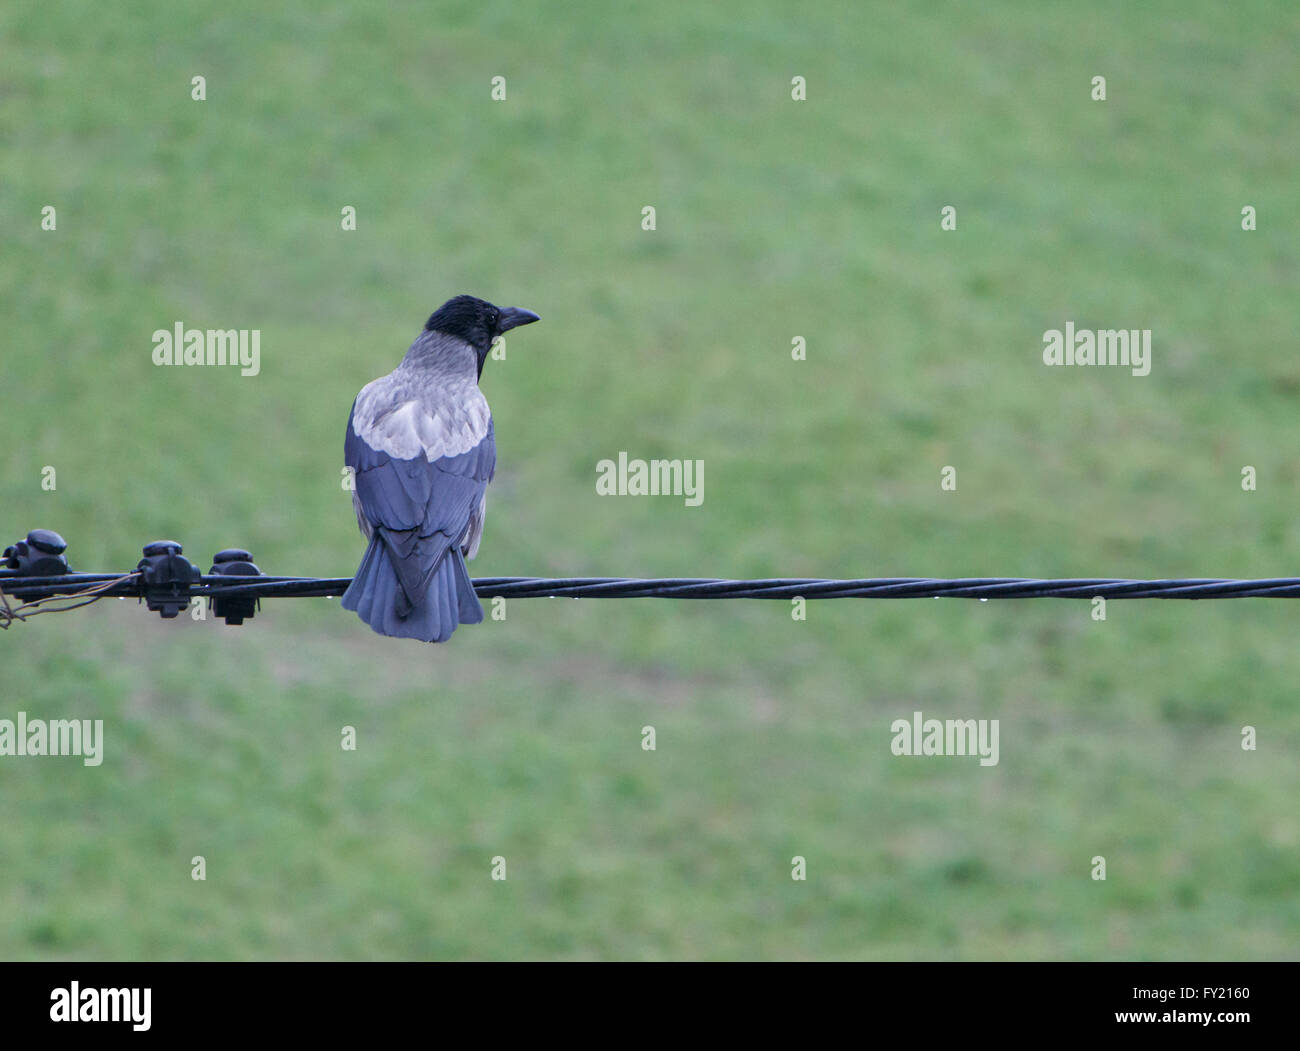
[(40, 555), (166, 578), (233, 562)]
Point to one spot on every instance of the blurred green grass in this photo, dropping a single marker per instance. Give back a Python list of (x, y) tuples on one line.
[(775, 219)]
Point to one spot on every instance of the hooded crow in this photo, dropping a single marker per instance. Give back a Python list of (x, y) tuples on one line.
[(422, 450)]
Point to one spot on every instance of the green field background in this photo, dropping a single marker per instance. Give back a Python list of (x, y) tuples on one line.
[(775, 219)]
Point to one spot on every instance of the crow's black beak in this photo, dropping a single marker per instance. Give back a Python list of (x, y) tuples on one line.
[(513, 317)]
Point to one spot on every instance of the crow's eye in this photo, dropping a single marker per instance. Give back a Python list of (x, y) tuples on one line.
[(492, 319)]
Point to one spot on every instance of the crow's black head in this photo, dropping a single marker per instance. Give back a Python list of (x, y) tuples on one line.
[(477, 322)]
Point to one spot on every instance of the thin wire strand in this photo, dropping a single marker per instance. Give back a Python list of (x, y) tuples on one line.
[(56, 602)]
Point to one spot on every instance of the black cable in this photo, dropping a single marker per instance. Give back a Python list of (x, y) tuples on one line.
[(208, 586)]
